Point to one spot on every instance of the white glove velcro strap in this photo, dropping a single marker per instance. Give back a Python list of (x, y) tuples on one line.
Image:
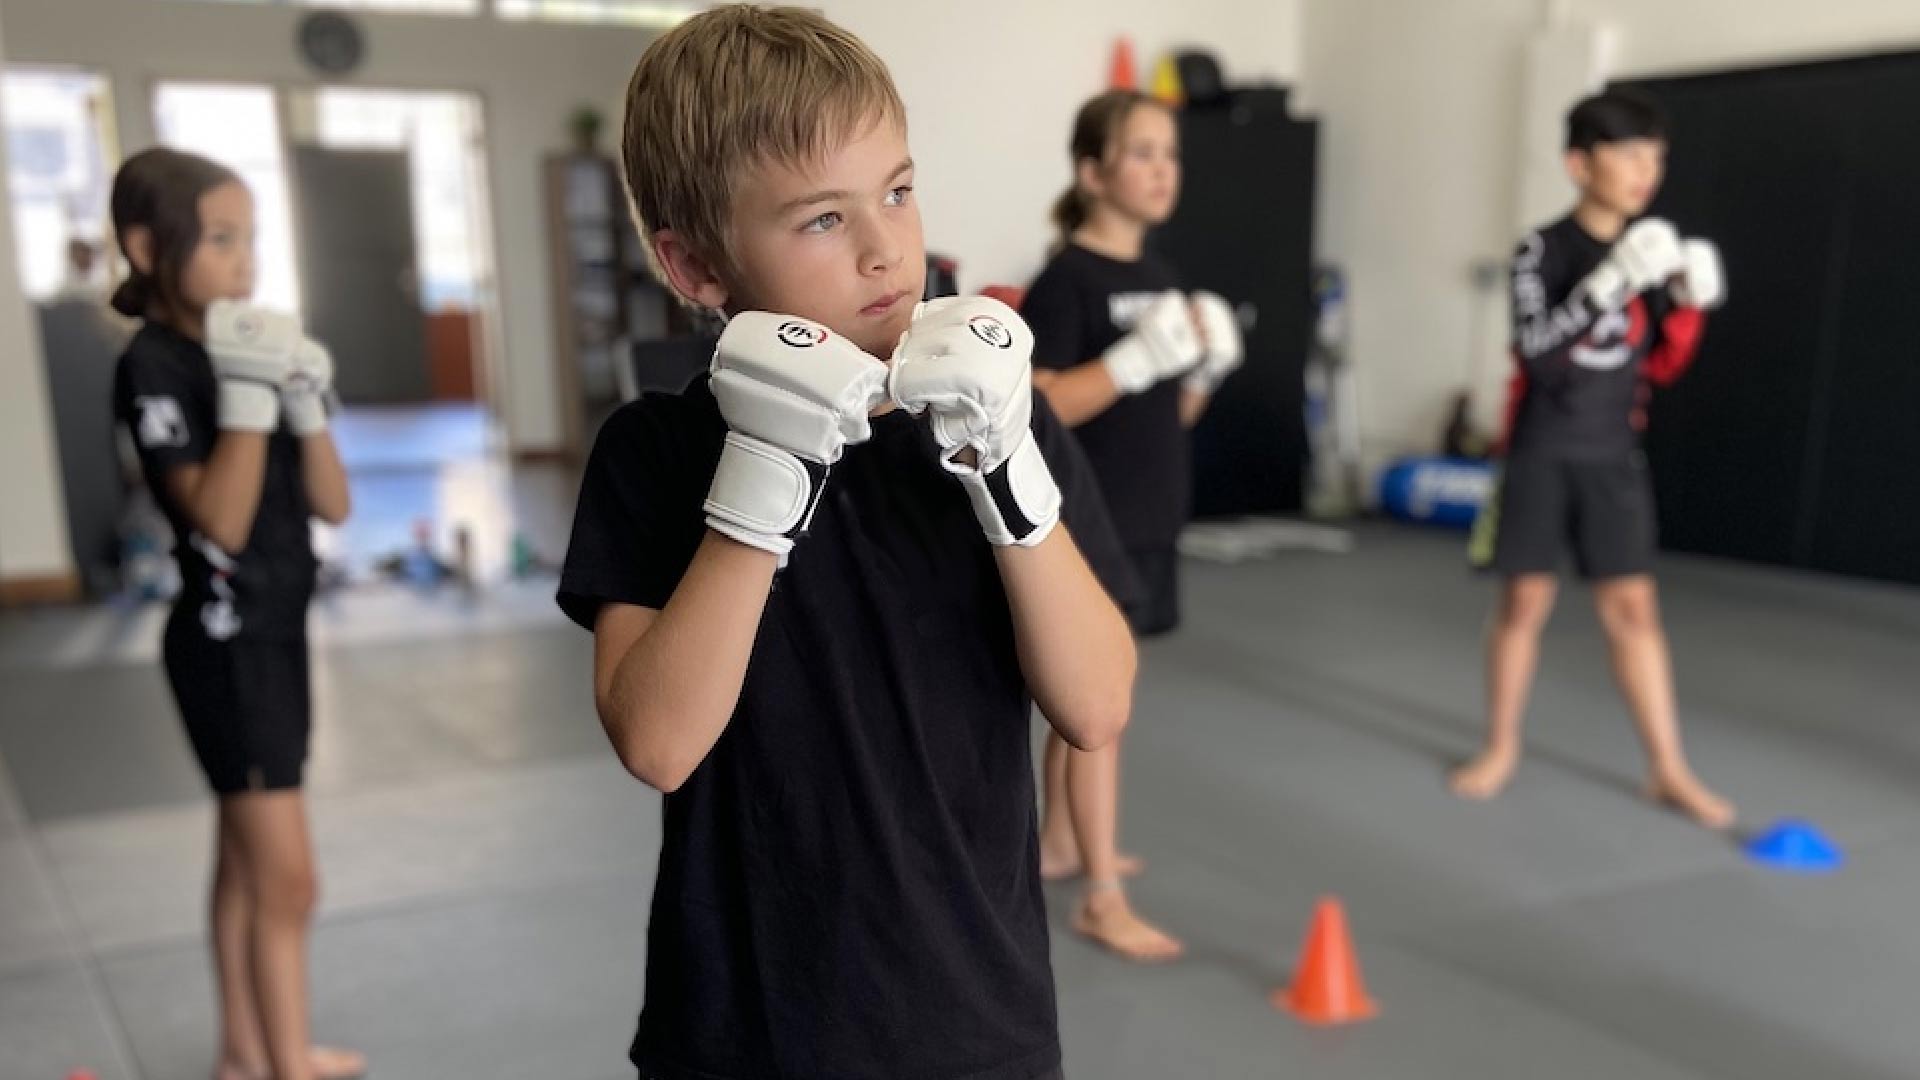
[(1606, 289), (1130, 364), (762, 495), (247, 405), (1017, 503), (306, 411)]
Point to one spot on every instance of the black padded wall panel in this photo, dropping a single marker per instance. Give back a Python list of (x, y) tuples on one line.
[(1794, 438), (1244, 229)]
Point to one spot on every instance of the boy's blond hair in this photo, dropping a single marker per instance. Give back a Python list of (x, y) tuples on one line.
[(728, 89)]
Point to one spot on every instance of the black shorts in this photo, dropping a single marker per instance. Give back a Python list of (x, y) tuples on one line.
[(1602, 510), (246, 703), (1156, 606)]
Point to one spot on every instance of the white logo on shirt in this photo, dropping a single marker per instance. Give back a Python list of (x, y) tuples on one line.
[(1606, 346), (161, 422), (1124, 308)]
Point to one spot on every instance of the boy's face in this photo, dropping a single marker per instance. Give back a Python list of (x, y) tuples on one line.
[(1622, 176), (221, 266), (837, 241)]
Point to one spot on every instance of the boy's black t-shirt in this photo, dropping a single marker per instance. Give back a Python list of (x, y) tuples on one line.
[(848, 884), (1081, 304), (165, 392), (1582, 371)]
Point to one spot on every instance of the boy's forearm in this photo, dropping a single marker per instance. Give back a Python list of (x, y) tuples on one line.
[(669, 697), (1075, 648)]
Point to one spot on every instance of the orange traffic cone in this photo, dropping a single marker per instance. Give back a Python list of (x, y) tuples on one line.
[(1327, 988), (1120, 73)]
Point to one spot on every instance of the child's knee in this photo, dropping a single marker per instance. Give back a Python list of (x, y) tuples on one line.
[(287, 891), (1525, 607), (1629, 613)]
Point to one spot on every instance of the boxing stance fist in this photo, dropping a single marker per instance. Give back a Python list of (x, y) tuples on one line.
[(1644, 257), (967, 363), (1163, 344), (304, 396), (1224, 349), (252, 350), (1701, 283), (794, 395)]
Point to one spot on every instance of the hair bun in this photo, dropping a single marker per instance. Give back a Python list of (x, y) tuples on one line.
[(134, 296)]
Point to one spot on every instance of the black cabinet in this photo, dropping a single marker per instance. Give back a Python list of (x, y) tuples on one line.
[(1244, 229)]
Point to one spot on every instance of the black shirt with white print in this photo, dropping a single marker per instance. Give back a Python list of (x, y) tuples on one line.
[(165, 392), (1081, 304), (1582, 371), (849, 884)]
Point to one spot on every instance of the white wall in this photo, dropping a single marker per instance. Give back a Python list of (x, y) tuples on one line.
[(1667, 37), (991, 87), (1420, 105), (529, 76), (33, 523), (992, 149), (1434, 155)]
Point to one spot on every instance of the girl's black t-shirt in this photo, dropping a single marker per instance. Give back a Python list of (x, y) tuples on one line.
[(1081, 304)]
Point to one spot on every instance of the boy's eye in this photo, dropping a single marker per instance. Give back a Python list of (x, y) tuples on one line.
[(898, 196), (823, 223)]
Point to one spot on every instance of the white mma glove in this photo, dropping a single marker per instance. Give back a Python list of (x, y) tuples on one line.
[(967, 363), (1701, 283), (252, 350), (1224, 349), (1644, 257), (1163, 344), (795, 395), (303, 400)]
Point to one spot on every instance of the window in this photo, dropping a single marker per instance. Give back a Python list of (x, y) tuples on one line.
[(239, 126), (651, 14), (58, 156)]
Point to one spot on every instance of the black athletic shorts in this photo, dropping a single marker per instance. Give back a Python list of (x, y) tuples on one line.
[(1601, 511), (1156, 607), (246, 703)]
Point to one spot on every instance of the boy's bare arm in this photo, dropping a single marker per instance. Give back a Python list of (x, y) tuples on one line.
[(666, 682), (1075, 648)]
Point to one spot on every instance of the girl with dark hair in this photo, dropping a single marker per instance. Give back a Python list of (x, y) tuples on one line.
[(227, 405)]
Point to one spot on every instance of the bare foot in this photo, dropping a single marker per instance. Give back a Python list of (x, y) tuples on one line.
[(1485, 776), (1105, 918), (1684, 792), (1056, 865), (326, 1062)]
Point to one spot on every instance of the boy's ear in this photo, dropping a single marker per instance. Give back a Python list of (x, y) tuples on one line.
[(139, 244), (1580, 167), (688, 272)]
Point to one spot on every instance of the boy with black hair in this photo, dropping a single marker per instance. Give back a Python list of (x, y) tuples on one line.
[(1605, 304)]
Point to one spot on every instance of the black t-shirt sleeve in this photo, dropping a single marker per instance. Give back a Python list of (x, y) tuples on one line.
[(1051, 309), (1548, 319), (168, 414), (639, 518), (1082, 507)]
